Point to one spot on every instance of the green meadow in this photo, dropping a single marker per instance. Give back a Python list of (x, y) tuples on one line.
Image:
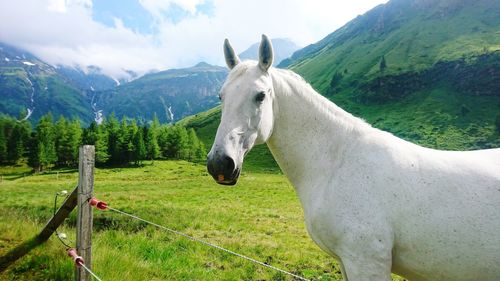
[(260, 217)]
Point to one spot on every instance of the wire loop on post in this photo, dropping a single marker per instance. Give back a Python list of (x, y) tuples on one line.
[(101, 205)]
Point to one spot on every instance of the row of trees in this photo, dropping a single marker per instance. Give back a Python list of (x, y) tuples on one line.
[(117, 142)]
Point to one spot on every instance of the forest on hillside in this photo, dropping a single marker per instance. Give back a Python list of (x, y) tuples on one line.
[(55, 143)]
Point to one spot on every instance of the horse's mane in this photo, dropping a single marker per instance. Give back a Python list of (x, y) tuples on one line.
[(289, 83)]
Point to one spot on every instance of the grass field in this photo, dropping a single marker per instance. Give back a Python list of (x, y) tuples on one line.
[(261, 217)]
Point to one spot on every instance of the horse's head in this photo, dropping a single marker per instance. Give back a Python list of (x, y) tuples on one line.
[(247, 112)]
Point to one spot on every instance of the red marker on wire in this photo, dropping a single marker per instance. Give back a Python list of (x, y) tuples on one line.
[(101, 205), (76, 258)]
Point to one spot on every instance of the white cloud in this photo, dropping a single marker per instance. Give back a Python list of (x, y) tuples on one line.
[(63, 31), (60, 6), (57, 6), (156, 7)]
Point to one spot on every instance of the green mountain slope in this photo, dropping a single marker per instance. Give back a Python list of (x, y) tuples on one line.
[(412, 35), (33, 87), (439, 82), (170, 94)]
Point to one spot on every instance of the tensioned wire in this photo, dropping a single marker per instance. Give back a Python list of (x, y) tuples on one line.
[(208, 244), (90, 272)]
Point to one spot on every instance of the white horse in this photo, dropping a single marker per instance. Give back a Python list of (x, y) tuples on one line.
[(373, 201)]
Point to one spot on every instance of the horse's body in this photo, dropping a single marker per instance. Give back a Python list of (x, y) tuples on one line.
[(375, 202)]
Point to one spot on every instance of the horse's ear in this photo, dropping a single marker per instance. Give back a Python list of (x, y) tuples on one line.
[(265, 53), (231, 58)]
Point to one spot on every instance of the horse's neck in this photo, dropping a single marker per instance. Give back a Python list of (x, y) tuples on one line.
[(310, 133)]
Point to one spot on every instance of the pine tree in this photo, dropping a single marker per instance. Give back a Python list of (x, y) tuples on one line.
[(101, 145), (7, 128), (193, 144), (46, 142), (90, 134), (196, 148), (201, 152), (152, 146), (183, 143), (3, 142), (17, 141), (128, 131), (163, 143), (68, 139), (139, 147), (33, 151), (97, 136), (75, 139), (62, 143), (115, 139), (177, 143)]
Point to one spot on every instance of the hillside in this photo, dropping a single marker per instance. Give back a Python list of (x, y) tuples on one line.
[(438, 60), (171, 94), (90, 80), (31, 87), (412, 35)]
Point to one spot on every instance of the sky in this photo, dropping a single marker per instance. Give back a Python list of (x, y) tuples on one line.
[(152, 35)]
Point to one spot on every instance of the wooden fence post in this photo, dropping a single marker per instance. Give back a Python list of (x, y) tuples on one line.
[(84, 216)]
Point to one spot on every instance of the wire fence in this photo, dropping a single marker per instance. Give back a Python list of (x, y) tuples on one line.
[(91, 273), (104, 206), (208, 244)]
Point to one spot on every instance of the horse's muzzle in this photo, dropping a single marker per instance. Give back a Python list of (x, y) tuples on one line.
[(223, 169)]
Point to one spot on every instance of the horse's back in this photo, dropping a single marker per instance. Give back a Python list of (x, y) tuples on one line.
[(455, 214), (477, 168), (490, 157)]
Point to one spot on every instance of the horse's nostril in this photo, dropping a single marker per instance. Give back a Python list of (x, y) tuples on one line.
[(229, 163)]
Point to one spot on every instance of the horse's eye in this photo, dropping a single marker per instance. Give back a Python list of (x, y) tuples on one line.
[(260, 97), (220, 97)]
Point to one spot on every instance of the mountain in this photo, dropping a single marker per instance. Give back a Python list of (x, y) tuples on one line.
[(171, 94), (283, 48), (428, 71), (91, 79), (31, 88)]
